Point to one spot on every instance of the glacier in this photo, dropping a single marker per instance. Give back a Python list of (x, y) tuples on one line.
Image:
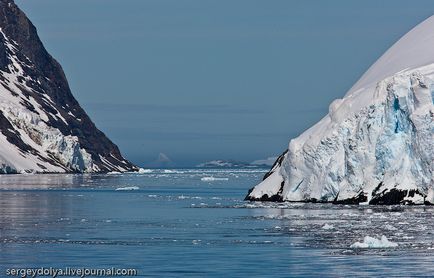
[(375, 146)]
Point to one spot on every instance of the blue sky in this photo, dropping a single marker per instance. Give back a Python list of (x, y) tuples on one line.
[(200, 80)]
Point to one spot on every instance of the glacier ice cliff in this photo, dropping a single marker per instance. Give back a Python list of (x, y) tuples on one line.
[(42, 126), (376, 143)]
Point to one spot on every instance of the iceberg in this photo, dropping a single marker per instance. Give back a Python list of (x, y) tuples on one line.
[(375, 146), (371, 242)]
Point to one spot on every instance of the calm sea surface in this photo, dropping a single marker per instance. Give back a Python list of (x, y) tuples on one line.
[(194, 223)]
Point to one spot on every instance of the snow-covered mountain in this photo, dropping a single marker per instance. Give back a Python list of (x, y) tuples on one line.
[(376, 144), (42, 126), (269, 161)]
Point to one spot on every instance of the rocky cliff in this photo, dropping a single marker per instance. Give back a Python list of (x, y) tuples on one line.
[(42, 126)]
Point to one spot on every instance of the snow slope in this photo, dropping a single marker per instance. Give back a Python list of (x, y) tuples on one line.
[(376, 144)]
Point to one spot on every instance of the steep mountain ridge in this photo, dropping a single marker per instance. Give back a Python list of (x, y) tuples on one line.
[(42, 126)]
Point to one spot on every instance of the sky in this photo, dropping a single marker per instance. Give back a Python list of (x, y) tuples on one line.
[(200, 80)]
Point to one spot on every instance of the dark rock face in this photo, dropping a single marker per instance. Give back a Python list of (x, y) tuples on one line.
[(360, 198), (278, 162), (394, 196), (44, 75), (385, 197)]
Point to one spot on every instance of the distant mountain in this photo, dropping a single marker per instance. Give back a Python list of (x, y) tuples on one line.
[(42, 126), (162, 161), (376, 145), (265, 162)]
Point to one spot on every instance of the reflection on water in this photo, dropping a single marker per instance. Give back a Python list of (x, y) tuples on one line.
[(179, 224), (20, 182)]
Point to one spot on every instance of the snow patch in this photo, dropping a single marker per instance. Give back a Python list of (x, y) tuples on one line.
[(270, 186)]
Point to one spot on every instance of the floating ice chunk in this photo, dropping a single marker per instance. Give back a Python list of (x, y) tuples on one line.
[(211, 178), (390, 227), (114, 173), (144, 171), (371, 242), (127, 188), (328, 227), (169, 171)]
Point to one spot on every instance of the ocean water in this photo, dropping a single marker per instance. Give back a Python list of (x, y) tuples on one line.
[(194, 223)]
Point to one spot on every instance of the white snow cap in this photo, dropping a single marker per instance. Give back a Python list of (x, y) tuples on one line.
[(414, 49)]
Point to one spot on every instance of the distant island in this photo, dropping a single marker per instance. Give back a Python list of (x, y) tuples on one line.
[(220, 163)]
